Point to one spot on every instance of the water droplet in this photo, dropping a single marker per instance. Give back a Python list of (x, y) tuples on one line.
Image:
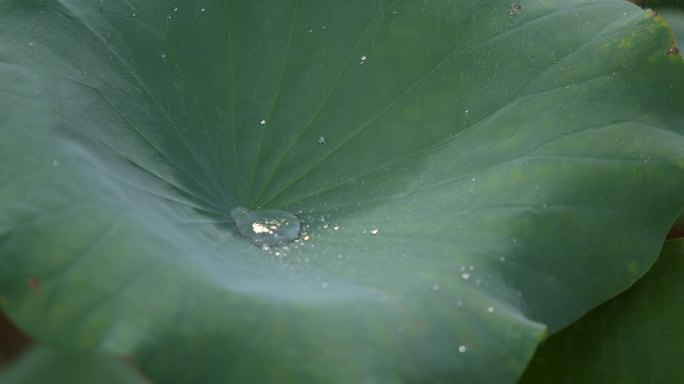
[(363, 59), (262, 122), (502, 258), (435, 287), (473, 179), (490, 309), (133, 14), (325, 226), (321, 140), (462, 348), (55, 163), (310, 30), (465, 275), (324, 285), (203, 9), (324, 27), (306, 238), (374, 231), (163, 55), (336, 227), (459, 303), (394, 11), (30, 45), (266, 227), (175, 9), (168, 17)]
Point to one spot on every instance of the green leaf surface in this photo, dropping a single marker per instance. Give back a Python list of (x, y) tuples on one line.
[(636, 337), (467, 175), (42, 365)]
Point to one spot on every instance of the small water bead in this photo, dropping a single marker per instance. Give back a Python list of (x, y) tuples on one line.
[(262, 122), (462, 348), (490, 309), (203, 9), (266, 227), (336, 227), (324, 285), (374, 231), (175, 9), (321, 140), (363, 59), (163, 55), (435, 287), (465, 275), (30, 45)]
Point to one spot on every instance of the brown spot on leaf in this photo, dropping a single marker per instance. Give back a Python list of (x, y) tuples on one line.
[(34, 285)]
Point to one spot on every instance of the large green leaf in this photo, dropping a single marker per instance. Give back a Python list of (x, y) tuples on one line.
[(635, 338), (466, 174)]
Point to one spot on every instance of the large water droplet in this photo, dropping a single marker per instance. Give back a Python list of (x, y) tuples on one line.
[(266, 227)]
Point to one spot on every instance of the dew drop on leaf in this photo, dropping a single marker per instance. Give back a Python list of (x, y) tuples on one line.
[(266, 227)]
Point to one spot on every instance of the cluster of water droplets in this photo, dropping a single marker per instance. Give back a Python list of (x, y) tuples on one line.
[(266, 227)]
